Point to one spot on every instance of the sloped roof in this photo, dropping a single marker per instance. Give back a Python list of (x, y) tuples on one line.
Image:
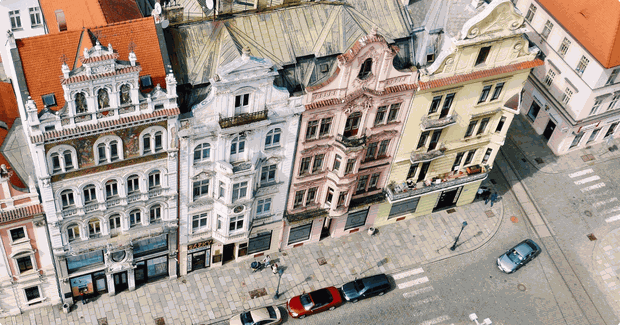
[(41, 56), (281, 35), (88, 13), (9, 111), (595, 24)]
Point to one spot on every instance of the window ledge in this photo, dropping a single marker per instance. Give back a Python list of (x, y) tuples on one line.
[(273, 148), (20, 241)]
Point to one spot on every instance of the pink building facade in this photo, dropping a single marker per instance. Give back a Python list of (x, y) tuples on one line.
[(347, 140)]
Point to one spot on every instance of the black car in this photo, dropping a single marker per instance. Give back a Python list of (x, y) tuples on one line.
[(518, 256), (371, 286)]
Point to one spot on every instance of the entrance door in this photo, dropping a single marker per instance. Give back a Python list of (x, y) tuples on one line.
[(120, 282), (549, 130), (139, 273), (448, 199), (326, 224), (229, 253), (100, 282), (198, 260)]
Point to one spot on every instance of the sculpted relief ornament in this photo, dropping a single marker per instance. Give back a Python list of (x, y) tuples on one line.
[(497, 17)]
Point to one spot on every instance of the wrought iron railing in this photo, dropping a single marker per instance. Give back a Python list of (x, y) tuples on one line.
[(351, 142), (401, 191), (241, 119), (439, 123), (418, 157)]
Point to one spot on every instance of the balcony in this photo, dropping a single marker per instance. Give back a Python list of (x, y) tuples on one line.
[(399, 191), (306, 215), (155, 192), (241, 119), (230, 238), (351, 142), (440, 123), (418, 157)]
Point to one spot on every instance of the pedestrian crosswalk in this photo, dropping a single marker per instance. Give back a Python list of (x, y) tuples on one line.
[(415, 285), (607, 208)]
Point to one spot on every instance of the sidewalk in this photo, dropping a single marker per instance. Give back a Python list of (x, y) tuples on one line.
[(606, 257), (213, 295), (522, 137)]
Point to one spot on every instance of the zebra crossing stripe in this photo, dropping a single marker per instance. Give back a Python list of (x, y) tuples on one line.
[(612, 219), (580, 173), (600, 203), (616, 209), (417, 292), (412, 283), (592, 187), (436, 320), (587, 180), (405, 274)]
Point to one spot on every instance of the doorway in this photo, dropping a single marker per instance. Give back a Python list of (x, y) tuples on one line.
[(326, 224), (229, 253), (448, 199), (120, 282), (423, 171), (549, 130)]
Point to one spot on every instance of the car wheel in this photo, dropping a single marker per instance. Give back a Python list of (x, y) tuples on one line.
[(302, 316), (332, 308), (381, 293)]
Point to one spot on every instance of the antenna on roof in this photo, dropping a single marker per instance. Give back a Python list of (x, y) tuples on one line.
[(63, 58), (132, 46)]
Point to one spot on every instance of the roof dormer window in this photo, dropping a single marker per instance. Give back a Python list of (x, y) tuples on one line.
[(60, 19), (146, 81), (49, 100), (366, 69)]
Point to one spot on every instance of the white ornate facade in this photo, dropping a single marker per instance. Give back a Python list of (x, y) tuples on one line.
[(236, 153), (106, 163)]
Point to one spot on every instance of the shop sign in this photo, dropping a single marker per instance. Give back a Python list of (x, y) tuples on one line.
[(197, 246)]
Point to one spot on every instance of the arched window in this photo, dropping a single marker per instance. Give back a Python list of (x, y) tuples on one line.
[(73, 232), (80, 103), (114, 150), (135, 218), (133, 184), (103, 99), (202, 152), (273, 138), (68, 160), (154, 180), (62, 159), (56, 163), (158, 141), (111, 189), (90, 194), (125, 96), (155, 213), (152, 141), (102, 153), (109, 149), (366, 69), (115, 222), (94, 228), (67, 199)]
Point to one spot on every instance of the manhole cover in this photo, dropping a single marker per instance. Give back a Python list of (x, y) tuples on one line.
[(587, 213), (521, 287), (489, 213), (539, 160), (102, 321), (258, 293), (321, 260), (587, 157), (451, 210), (514, 219), (159, 321), (591, 237)]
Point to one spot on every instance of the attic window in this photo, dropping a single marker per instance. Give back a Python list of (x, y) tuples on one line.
[(60, 19), (49, 128), (146, 81), (430, 53), (324, 67), (366, 69), (482, 55), (49, 100)]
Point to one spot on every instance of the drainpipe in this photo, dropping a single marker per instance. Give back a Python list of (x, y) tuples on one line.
[(49, 243), (178, 207)]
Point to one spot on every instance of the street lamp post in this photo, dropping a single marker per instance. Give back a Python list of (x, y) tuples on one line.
[(277, 295), (457, 237)]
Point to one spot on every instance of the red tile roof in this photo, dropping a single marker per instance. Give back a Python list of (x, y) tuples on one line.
[(88, 13), (595, 24), (9, 111), (24, 212), (41, 55)]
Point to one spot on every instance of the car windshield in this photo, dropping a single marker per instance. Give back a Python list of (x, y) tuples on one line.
[(359, 285), (515, 257), (246, 318), (272, 312), (305, 301)]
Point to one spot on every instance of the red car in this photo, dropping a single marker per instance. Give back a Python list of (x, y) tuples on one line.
[(314, 302)]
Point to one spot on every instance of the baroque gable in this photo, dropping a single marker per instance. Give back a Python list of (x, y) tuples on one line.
[(498, 18)]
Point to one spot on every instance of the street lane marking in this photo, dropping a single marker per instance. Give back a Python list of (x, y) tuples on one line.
[(436, 320), (580, 173), (587, 180), (598, 204), (412, 283), (592, 187), (425, 301), (616, 209), (408, 273), (418, 292), (612, 219)]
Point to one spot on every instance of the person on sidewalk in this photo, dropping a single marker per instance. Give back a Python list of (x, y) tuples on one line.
[(274, 268), (493, 198), (267, 260)]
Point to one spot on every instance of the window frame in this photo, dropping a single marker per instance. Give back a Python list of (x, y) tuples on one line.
[(94, 224), (312, 129), (238, 189), (200, 188), (567, 95), (470, 157), (337, 163), (15, 20), (470, 128), (21, 239), (262, 203), (158, 215), (325, 127), (613, 102), (32, 300), (72, 234), (317, 163), (611, 130), (235, 223), (487, 155), (135, 218), (531, 12), (380, 115), (155, 179), (564, 46), (483, 55), (199, 219), (548, 27), (612, 77), (582, 65), (270, 138), (23, 257), (483, 125), (497, 91), (202, 152), (133, 184), (115, 222), (435, 103), (67, 196), (362, 183), (270, 174), (500, 124), (365, 69), (393, 113), (549, 77), (486, 90), (242, 104), (112, 191)]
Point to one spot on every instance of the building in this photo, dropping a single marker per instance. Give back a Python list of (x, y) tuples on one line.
[(476, 63), (237, 148), (348, 137), (101, 126), (572, 100)]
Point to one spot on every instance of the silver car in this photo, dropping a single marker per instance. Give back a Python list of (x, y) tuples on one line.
[(518, 256)]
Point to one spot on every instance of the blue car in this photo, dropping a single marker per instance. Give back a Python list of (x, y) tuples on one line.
[(518, 256)]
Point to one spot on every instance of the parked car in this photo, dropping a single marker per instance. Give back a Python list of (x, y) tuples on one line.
[(518, 256), (261, 316), (314, 302), (375, 285)]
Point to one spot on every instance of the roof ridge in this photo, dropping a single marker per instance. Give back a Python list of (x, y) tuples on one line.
[(614, 43), (122, 22)]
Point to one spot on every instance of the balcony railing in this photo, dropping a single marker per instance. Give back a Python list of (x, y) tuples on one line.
[(400, 191), (428, 124), (155, 192), (241, 119), (351, 142), (229, 239), (418, 157)]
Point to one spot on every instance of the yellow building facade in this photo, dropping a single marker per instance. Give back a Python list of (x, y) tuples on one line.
[(459, 116)]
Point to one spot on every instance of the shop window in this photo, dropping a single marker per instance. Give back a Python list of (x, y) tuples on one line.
[(405, 207), (261, 242), (150, 246), (75, 263), (356, 219), (299, 234), (243, 249)]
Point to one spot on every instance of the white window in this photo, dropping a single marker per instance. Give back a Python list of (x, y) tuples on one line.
[(202, 152), (90, 194), (111, 189), (612, 76), (201, 188), (613, 102), (62, 159), (220, 221), (597, 104), (236, 223), (530, 13), (155, 213), (242, 104), (549, 77), (273, 138), (73, 232), (16, 21), (237, 148), (329, 197), (133, 184), (152, 141), (200, 222), (108, 150), (567, 96), (94, 228), (593, 135), (35, 16), (222, 190), (115, 222), (154, 180), (18, 234), (67, 199), (135, 218), (268, 174), (564, 47), (583, 63), (239, 191), (547, 30), (263, 206)]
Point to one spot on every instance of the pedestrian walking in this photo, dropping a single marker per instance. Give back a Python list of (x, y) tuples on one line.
[(493, 198), (274, 268), (267, 260)]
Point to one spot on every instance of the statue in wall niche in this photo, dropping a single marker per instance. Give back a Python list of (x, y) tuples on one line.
[(103, 98), (125, 98), (80, 103)]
